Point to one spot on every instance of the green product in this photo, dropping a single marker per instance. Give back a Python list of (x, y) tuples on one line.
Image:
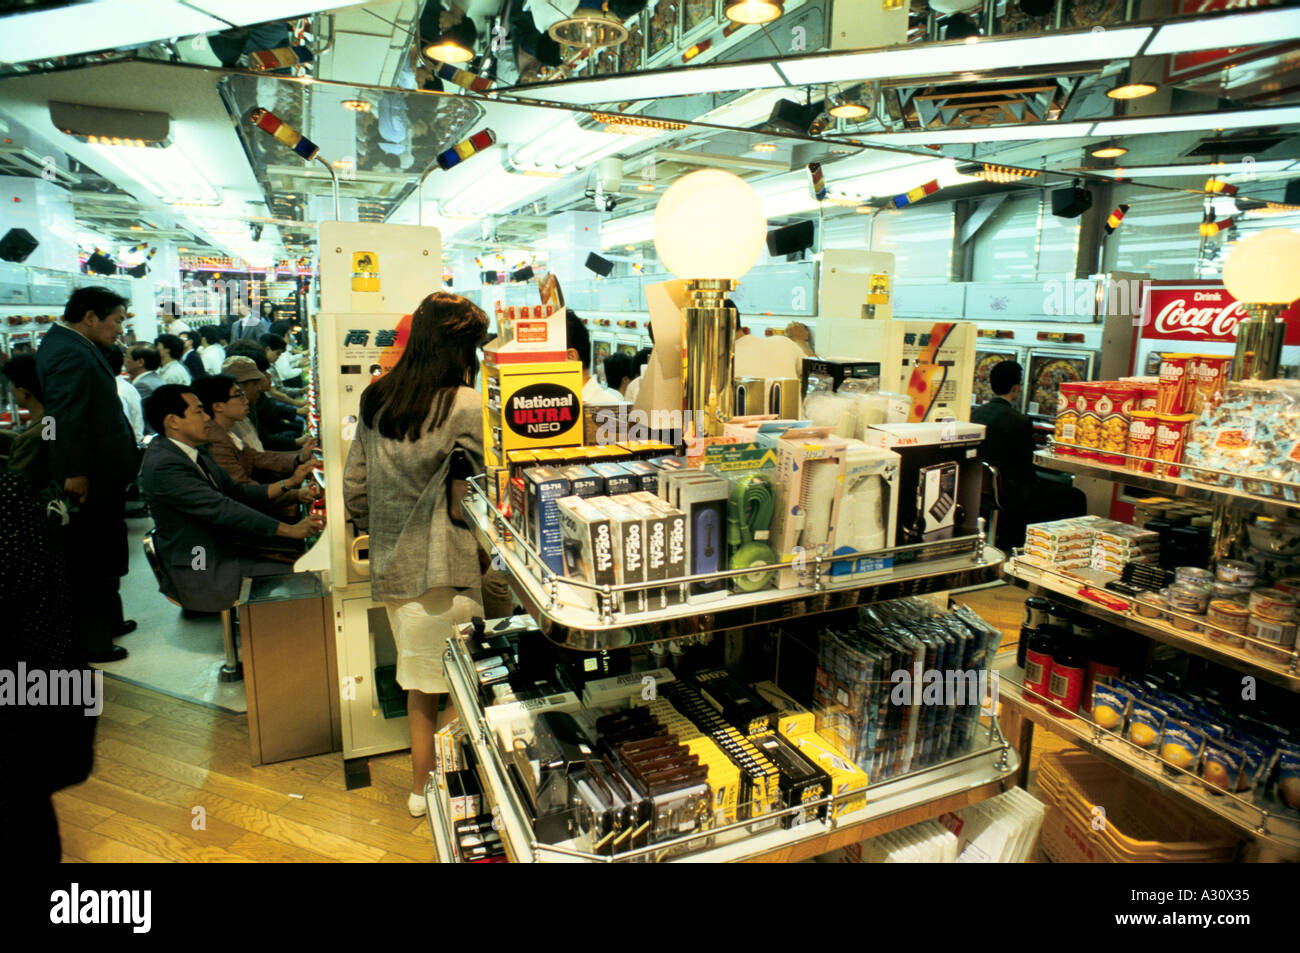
[(749, 520)]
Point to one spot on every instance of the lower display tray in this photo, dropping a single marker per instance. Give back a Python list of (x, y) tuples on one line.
[(889, 805)]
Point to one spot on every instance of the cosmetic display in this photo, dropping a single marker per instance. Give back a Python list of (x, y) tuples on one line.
[(553, 759)]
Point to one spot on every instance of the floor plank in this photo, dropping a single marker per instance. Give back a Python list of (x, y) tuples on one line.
[(161, 814), (363, 831), (168, 844), (98, 849)]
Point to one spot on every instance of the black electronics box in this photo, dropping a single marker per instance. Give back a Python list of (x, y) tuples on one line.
[(838, 370), (802, 782)]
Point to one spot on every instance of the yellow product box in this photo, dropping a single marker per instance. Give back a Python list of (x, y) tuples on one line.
[(792, 718), (724, 777), (845, 775)]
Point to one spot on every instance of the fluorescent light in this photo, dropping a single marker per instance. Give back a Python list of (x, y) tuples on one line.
[(1028, 131), (945, 59), (1239, 29), (167, 173), (1208, 168), (1132, 91), (1191, 122)]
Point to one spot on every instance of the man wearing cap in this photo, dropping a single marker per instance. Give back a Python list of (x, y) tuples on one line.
[(272, 432)]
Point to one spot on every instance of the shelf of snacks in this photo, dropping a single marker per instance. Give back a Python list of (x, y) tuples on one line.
[(581, 615), (1130, 727), (558, 779), (1153, 616)]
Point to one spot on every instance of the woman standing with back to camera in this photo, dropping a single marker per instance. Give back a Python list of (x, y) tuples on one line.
[(423, 563)]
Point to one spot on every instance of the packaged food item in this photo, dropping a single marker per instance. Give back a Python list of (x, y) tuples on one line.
[(1104, 657), (1171, 438), (1227, 615), (1149, 399), (1273, 605), (1189, 597), (1089, 425), (1288, 777), (1180, 744), (1226, 590), (1067, 419), (1036, 614), (1281, 634), (1236, 571), (1150, 605), (1253, 757), (1172, 396), (1288, 584), (1141, 440), (1109, 706), (1038, 661), (1114, 403), (1221, 764), (1202, 577), (1069, 670), (1210, 373), (1145, 720)]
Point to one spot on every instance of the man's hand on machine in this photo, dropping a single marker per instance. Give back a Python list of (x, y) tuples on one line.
[(304, 455), (302, 472), (308, 492), (308, 526)]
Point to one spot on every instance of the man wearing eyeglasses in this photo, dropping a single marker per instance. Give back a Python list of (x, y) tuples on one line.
[(224, 400)]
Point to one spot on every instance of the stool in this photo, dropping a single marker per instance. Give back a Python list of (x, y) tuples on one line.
[(232, 669)]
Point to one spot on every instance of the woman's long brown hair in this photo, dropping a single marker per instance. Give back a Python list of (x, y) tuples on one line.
[(440, 356)]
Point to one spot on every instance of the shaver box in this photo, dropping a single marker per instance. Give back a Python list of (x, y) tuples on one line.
[(703, 498), (628, 531), (939, 480), (868, 514), (656, 546), (618, 479), (676, 557), (647, 474), (543, 488), (808, 484), (588, 549)]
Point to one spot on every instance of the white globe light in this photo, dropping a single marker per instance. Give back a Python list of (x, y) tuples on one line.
[(1265, 268), (709, 224)]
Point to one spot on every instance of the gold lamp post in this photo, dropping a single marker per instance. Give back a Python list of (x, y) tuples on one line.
[(709, 230)]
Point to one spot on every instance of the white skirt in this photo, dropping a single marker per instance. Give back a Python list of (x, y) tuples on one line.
[(421, 628)]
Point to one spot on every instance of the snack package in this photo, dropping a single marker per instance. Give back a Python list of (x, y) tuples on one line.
[(1181, 743), (1067, 418), (1146, 719), (1141, 440), (1172, 431), (1109, 706), (1172, 397), (1115, 402), (1091, 397), (1210, 373)]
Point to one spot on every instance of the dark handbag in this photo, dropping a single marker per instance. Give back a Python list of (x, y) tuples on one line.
[(460, 468)]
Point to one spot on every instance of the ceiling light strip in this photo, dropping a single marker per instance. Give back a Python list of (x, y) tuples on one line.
[(1226, 30)]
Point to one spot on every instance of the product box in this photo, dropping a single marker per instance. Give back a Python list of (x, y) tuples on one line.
[(515, 721), (616, 691), (939, 479), (628, 532), (543, 488), (655, 521), (647, 474), (584, 481), (846, 777), (532, 329), (703, 498), (588, 548), (808, 469), (791, 717), (867, 519), (836, 372), (617, 479), (676, 562)]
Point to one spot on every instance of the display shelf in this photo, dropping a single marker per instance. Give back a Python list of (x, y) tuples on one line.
[(1051, 582), (1175, 486), (890, 805), (437, 809), (1270, 823), (950, 564)]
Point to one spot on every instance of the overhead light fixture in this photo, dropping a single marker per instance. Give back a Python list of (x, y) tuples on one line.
[(633, 125), (1109, 151), (753, 11), (1000, 174), (456, 44), (356, 105), (765, 147), (1132, 91), (851, 104), (589, 28), (167, 173), (645, 187)]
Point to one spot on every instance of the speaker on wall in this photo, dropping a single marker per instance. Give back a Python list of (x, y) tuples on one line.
[(490, 277), (523, 274), (17, 244), (601, 266), (790, 238), (1071, 202)]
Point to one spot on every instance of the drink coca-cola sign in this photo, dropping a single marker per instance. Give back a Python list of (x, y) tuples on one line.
[(1201, 312)]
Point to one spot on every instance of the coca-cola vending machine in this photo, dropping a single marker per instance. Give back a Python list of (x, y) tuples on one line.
[(1196, 317)]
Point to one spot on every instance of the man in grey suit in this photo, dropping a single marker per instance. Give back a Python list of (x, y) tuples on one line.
[(201, 516), (92, 456)]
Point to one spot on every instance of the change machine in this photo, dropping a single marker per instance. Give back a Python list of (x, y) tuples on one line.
[(372, 276)]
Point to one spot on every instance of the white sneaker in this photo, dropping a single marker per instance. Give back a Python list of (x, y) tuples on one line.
[(416, 804)]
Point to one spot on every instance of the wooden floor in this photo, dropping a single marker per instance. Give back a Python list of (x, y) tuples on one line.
[(158, 760)]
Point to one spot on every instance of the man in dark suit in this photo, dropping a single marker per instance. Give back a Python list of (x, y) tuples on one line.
[(200, 514), (1009, 446), (92, 456)]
